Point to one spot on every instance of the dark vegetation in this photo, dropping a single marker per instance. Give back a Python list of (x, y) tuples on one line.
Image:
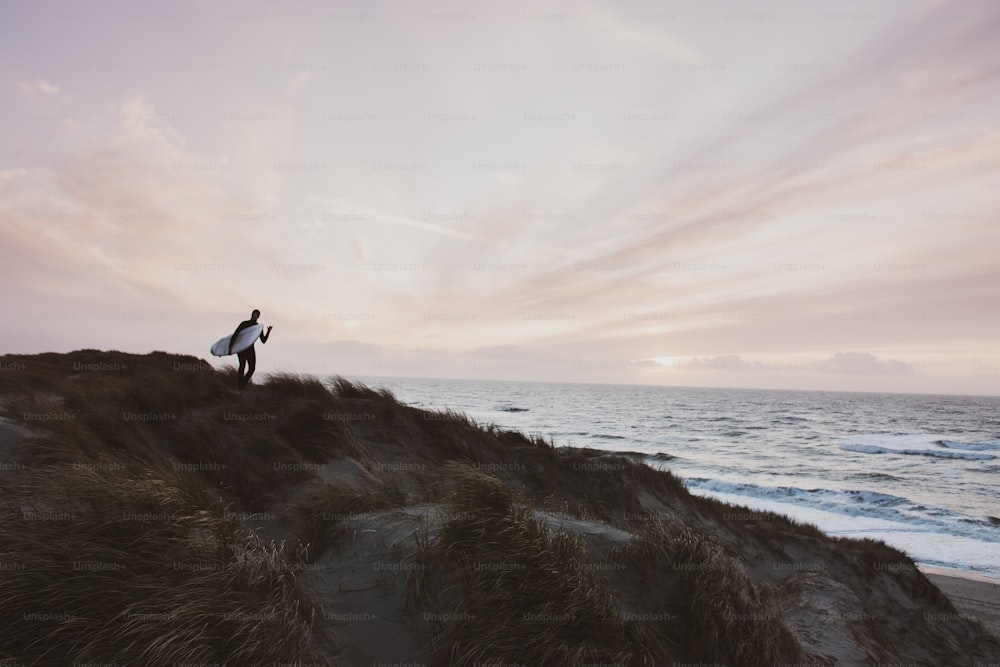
[(127, 528)]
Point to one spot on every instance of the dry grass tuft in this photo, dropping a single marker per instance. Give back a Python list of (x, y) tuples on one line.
[(720, 615), (322, 517), (512, 591), (344, 388), (122, 570), (118, 544)]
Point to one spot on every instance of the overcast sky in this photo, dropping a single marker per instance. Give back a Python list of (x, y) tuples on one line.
[(752, 194)]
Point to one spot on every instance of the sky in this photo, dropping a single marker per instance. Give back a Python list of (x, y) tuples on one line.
[(743, 194)]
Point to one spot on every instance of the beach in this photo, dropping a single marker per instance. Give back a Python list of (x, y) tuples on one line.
[(972, 595)]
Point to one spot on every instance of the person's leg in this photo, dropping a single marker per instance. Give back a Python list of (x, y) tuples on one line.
[(242, 356), (251, 365)]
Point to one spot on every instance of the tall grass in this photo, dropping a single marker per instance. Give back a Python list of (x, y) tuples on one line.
[(344, 388), (321, 518), (118, 544), (158, 414), (717, 613), (510, 591), (102, 567)]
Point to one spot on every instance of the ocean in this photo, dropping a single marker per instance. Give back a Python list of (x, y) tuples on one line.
[(920, 472)]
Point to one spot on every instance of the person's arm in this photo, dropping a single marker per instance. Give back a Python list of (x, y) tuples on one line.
[(232, 339), (265, 333)]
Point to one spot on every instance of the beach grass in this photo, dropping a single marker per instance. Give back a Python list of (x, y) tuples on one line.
[(129, 535), (513, 591), (120, 569)]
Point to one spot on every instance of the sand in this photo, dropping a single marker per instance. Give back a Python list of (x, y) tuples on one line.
[(11, 436), (972, 595)]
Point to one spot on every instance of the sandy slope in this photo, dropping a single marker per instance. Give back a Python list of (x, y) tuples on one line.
[(846, 602), (973, 596)]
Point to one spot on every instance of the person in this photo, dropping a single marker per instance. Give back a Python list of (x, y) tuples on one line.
[(248, 357)]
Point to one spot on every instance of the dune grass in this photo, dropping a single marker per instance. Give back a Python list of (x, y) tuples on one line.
[(163, 415), (106, 568), (718, 614), (510, 591), (321, 518), (118, 543), (344, 388), (764, 522)]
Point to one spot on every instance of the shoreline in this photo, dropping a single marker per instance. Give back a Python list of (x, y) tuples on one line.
[(955, 573)]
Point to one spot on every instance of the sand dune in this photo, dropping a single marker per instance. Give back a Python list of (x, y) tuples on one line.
[(302, 524)]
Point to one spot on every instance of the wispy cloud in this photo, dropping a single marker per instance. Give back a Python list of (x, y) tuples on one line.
[(648, 40), (40, 88), (849, 363), (137, 214), (544, 192), (371, 214)]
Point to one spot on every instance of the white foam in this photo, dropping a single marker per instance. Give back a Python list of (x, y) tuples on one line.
[(926, 547), (985, 445), (943, 454), (904, 444)]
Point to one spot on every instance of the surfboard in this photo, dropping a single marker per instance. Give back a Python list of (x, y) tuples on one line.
[(243, 340)]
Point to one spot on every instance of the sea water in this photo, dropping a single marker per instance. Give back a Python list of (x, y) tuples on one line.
[(920, 472)]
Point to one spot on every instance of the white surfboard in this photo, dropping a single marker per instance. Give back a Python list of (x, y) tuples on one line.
[(244, 339)]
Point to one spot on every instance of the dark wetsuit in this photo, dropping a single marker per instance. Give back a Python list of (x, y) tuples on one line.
[(248, 357)]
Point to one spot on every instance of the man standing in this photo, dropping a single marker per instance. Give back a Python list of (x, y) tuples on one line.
[(248, 357)]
